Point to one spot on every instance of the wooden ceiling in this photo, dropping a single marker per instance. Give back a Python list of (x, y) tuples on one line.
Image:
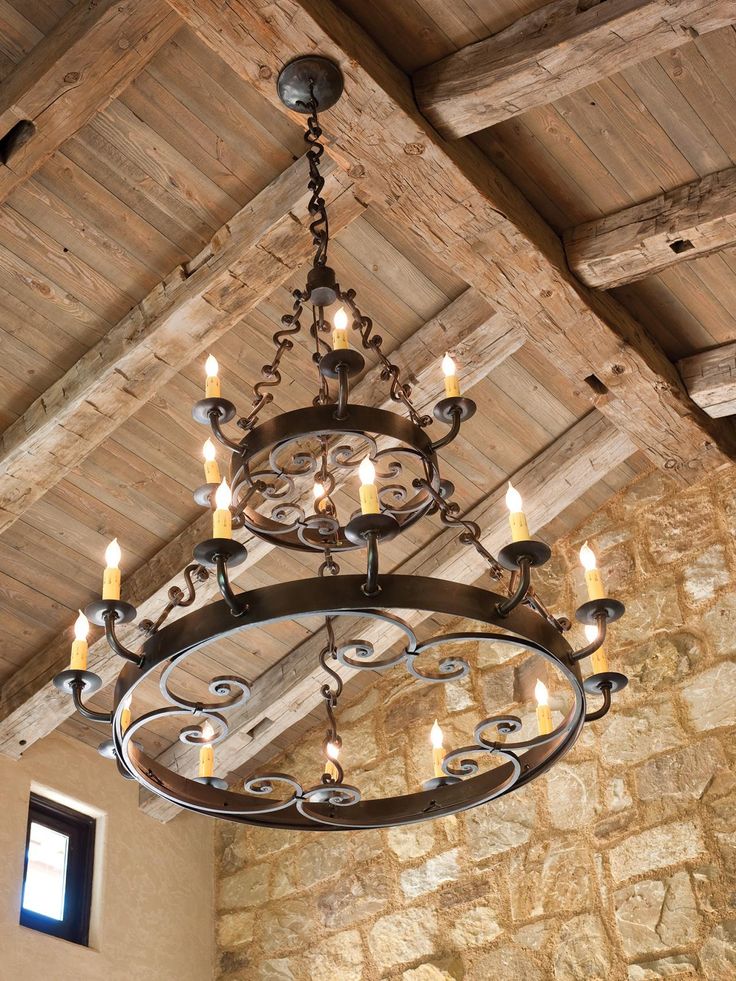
[(572, 253)]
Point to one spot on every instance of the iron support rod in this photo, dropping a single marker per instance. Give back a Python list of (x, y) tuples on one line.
[(218, 433), (77, 689), (342, 392), (115, 645), (451, 433), (237, 608), (525, 576), (596, 644), (371, 587), (605, 690)]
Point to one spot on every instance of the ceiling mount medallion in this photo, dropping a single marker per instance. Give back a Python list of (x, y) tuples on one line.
[(292, 478)]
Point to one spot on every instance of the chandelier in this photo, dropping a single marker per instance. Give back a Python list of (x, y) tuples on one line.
[(290, 477)]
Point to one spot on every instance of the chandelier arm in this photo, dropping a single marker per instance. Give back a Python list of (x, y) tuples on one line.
[(452, 433), (111, 636), (343, 391), (237, 604), (520, 593), (601, 621), (371, 587), (219, 434), (77, 687), (605, 689)]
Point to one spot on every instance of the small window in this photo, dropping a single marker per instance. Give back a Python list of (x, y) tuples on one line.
[(57, 877)]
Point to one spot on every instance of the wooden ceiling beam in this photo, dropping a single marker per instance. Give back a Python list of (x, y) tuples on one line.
[(455, 203), (290, 689), (94, 51), (198, 302), (676, 226), (552, 52), (30, 707), (710, 377)]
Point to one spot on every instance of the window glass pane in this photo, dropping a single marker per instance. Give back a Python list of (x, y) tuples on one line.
[(46, 872)]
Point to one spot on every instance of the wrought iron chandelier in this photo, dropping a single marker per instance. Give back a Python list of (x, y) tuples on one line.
[(286, 473)]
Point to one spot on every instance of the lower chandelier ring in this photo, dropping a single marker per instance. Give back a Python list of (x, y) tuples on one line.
[(339, 806)]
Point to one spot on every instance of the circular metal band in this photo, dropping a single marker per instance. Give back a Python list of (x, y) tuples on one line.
[(344, 597)]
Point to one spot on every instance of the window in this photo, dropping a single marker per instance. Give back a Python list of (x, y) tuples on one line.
[(57, 877)]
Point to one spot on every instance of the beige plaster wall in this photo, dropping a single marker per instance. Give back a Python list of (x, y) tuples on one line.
[(619, 865), (152, 907)]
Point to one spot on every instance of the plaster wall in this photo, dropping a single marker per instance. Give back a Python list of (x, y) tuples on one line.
[(152, 903), (618, 865)]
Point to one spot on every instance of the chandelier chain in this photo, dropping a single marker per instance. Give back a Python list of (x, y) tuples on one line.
[(320, 227)]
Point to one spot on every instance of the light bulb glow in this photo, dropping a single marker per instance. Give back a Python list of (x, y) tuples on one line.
[(448, 366), (340, 320), (127, 702), (435, 735), (113, 554), (207, 731), (319, 491), (223, 496), (211, 366), (540, 693), (587, 557), (367, 472), (208, 450), (81, 627), (513, 499), (332, 750), (591, 632)]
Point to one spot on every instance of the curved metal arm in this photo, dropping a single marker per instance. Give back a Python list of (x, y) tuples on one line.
[(116, 646), (605, 690), (370, 586), (218, 433), (451, 433), (343, 391), (596, 644), (237, 605), (519, 595), (77, 689)]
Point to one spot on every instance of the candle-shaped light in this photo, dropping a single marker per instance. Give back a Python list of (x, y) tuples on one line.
[(80, 647), (544, 712), (211, 470), (207, 752), (452, 385), (111, 575), (319, 493), (517, 518), (592, 574), (599, 658), (340, 332), (222, 519), (212, 384), (333, 751), (125, 715), (368, 491), (438, 750)]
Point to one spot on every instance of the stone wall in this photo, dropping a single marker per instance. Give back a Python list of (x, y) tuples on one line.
[(618, 865)]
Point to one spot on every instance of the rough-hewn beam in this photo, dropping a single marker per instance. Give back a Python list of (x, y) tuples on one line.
[(247, 258), (552, 52), (81, 66), (710, 378), (458, 205), (30, 707), (291, 688), (676, 226)]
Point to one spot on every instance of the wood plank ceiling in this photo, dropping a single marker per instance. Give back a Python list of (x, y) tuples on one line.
[(126, 218)]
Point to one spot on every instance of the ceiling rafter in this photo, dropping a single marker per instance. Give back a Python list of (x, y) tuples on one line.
[(94, 51), (453, 201), (710, 377), (198, 302), (30, 707), (553, 51), (291, 688)]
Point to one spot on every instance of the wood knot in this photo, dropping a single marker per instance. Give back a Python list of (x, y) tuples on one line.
[(264, 72), (71, 77), (618, 369), (356, 171), (414, 149)]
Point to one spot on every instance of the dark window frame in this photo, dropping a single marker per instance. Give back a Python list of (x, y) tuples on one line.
[(80, 830)]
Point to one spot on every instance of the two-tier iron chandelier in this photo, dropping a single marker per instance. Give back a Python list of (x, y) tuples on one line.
[(289, 477)]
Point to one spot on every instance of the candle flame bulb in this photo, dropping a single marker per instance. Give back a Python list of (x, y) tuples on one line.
[(319, 491), (126, 713), (587, 558), (206, 750), (81, 627), (113, 555), (111, 575), (223, 496), (80, 649), (211, 470), (333, 751), (340, 334), (544, 712), (207, 731), (367, 472), (222, 519), (368, 492), (591, 632), (212, 383), (438, 752), (593, 579), (517, 518), (452, 386)]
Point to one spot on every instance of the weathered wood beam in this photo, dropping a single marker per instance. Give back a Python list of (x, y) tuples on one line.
[(30, 707), (291, 688), (676, 226), (81, 66), (455, 203), (552, 52), (247, 258), (710, 378)]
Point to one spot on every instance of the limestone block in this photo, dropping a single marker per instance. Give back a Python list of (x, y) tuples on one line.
[(704, 575), (652, 609), (633, 734), (549, 876), (459, 694), (679, 966), (710, 697), (659, 662), (316, 860), (680, 526), (617, 795), (234, 964), (505, 962), (683, 775), (719, 625), (286, 925), (656, 914), (431, 874), (718, 954), (402, 937), (243, 889), (656, 848), (353, 898), (572, 794), (341, 956), (475, 927), (235, 928), (276, 969), (504, 823), (443, 969), (411, 841), (582, 950)]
